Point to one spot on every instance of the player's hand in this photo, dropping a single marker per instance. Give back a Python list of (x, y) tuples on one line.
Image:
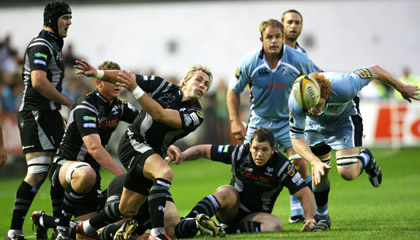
[(319, 170), (238, 130), (127, 79), (410, 92), (173, 154), (309, 225), (85, 68)]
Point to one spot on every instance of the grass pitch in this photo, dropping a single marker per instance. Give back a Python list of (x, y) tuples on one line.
[(357, 210)]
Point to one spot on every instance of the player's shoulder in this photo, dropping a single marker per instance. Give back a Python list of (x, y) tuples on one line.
[(252, 57)]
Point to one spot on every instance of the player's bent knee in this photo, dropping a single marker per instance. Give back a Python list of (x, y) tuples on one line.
[(271, 224), (348, 167), (226, 195)]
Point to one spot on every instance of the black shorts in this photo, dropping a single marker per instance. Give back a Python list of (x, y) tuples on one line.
[(133, 153), (40, 130)]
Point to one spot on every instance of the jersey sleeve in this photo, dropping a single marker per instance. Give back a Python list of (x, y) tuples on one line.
[(129, 112), (242, 75), (291, 178), (191, 117), (346, 85), (39, 56), (86, 122), (222, 153), (149, 83), (297, 118)]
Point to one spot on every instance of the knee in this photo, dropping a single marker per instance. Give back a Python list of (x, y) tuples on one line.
[(83, 179), (271, 224), (227, 195), (348, 174), (167, 173)]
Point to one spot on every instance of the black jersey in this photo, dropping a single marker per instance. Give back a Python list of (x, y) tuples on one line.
[(43, 53), (92, 115), (159, 135), (258, 186)]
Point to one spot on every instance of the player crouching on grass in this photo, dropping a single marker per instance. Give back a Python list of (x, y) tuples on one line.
[(334, 122), (259, 175)]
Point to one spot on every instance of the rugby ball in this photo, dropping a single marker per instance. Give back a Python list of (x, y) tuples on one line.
[(306, 91)]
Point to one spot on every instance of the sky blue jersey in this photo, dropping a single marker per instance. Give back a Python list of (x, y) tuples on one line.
[(271, 87), (341, 103)]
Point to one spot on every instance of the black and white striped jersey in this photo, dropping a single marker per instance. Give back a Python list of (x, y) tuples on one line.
[(92, 115), (43, 53), (159, 135), (258, 186)]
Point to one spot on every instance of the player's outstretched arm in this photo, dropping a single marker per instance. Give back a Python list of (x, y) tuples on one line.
[(197, 152), (88, 70), (167, 116), (407, 91)]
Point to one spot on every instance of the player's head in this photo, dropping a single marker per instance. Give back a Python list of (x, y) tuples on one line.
[(57, 16), (196, 82), (109, 90), (262, 145), (271, 37), (292, 21), (325, 86)]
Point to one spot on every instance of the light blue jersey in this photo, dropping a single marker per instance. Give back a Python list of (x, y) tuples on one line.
[(271, 87), (337, 119)]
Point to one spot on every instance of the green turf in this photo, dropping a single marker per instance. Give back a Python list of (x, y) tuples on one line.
[(357, 210)]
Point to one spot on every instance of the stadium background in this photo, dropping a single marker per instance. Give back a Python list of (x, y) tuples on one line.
[(165, 37)]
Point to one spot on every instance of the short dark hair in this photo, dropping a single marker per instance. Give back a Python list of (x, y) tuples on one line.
[(291, 11), (108, 65), (263, 135)]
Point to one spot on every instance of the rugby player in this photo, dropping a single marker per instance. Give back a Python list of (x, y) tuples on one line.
[(335, 123)]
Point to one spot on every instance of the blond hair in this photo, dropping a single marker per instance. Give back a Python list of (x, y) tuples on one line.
[(271, 23), (196, 68)]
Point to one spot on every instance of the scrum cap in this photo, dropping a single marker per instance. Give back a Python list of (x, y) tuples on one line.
[(53, 11)]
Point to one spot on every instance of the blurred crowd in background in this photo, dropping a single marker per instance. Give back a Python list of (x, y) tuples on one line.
[(216, 127)]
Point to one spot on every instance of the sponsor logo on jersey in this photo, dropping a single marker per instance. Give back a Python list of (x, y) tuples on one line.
[(195, 119), (41, 55), (237, 73), (39, 61), (151, 78), (223, 148), (290, 117), (263, 71), (89, 118), (363, 73), (200, 113), (291, 171), (89, 125), (110, 123), (252, 176), (115, 110), (269, 171)]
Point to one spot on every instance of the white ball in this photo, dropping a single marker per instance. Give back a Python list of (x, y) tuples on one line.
[(306, 91)]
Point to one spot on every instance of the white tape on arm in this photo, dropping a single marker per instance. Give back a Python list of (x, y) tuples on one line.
[(99, 74), (138, 92)]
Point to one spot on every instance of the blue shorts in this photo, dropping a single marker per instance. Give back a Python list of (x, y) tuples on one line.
[(342, 134), (280, 128)]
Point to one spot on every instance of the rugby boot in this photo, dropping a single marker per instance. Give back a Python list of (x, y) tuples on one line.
[(322, 225), (296, 219), (161, 236), (62, 233), (126, 229), (37, 222), (373, 170), (208, 226), (79, 230), (15, 237)]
